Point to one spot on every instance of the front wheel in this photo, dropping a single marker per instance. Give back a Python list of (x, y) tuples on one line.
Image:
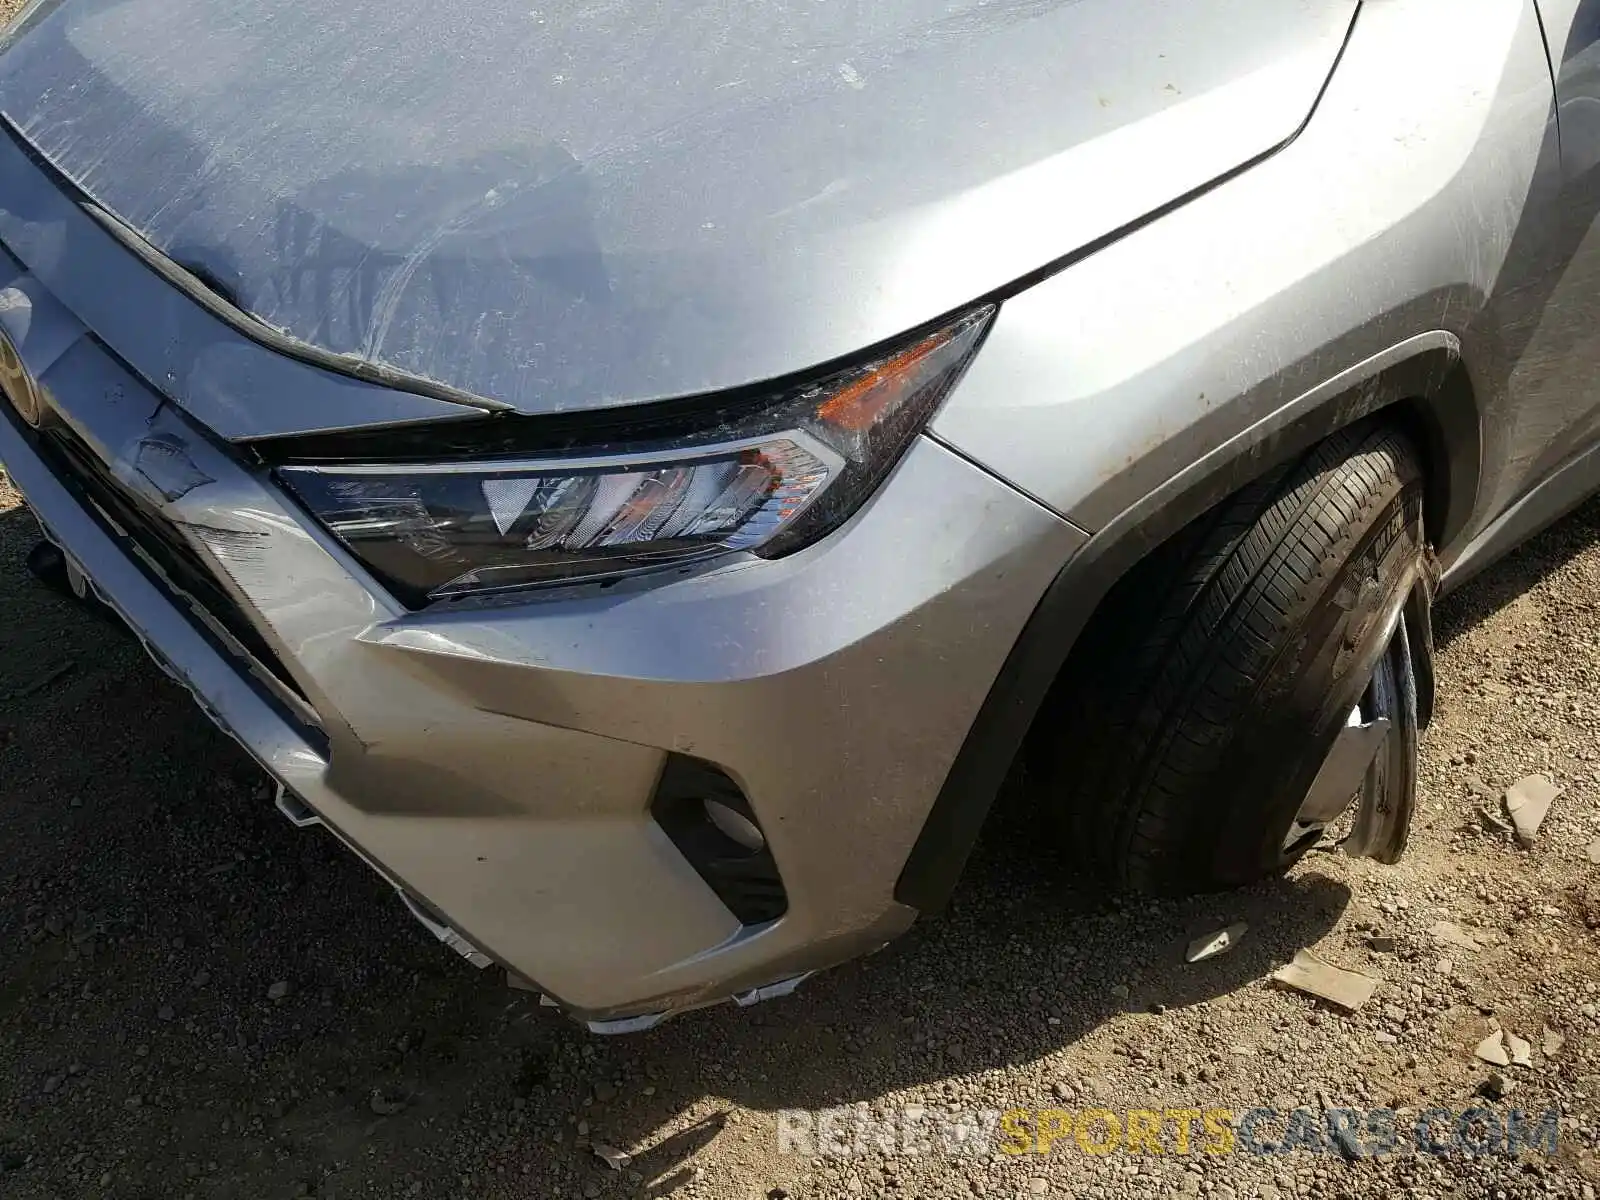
[(1248, 681)]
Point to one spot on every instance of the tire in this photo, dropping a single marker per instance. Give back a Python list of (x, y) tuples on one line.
[(1178, 746)]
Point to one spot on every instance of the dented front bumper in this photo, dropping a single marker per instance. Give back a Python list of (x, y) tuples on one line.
[(498, 764)]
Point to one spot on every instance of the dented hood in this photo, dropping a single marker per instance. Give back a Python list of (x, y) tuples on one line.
[(565, 205)]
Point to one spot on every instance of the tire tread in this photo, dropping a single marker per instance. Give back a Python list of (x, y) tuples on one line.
[(1203, 620)]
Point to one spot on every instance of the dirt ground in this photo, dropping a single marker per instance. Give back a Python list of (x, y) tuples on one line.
[(197, 1000), (151, 897)]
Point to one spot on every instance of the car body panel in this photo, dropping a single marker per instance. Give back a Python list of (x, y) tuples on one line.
[(1424, 248), (1410, 206), (1423, 244), (563, 209), (212, 370), (498, 762), (1549, 303), (1572, 36)]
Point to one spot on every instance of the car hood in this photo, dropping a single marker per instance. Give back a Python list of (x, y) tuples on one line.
[(564, 205)]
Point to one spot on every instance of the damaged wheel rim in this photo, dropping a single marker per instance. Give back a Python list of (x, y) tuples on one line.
[(1372, 764)]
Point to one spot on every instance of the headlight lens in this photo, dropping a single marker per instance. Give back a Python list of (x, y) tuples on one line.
[(767, 484)]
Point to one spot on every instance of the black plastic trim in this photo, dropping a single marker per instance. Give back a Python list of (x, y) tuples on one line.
[(745, 880), (1429, 394)]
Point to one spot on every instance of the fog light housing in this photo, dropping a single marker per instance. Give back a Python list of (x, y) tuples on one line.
[(714, 827), (735, 824)]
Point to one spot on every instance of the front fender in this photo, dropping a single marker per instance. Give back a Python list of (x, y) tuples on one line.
[(1379, 233), (1354, 271)]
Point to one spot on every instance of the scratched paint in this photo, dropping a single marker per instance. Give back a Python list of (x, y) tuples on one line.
[(565, 205)]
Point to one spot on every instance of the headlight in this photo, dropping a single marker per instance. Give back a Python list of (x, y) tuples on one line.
[(768, 483)]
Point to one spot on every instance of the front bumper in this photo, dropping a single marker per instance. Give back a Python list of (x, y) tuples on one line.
[(498, 764)]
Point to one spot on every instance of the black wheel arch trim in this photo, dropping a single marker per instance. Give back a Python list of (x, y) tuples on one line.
[(1420, 382)]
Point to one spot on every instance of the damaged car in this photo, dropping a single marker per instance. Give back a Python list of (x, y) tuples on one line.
[(645, 476)]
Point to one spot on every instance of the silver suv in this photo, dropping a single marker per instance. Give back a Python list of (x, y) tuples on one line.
[(645, 475)]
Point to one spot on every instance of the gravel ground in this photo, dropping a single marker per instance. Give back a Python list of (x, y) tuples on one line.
[(198, 1000)]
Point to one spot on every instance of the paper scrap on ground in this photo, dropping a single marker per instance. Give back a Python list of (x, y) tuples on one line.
[(1310, 974), (1493, 1049), (1452, 934), (1212, 944), (611, 1156), (1527, 802)]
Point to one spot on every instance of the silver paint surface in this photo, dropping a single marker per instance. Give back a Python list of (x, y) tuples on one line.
[(1415, 209), (566, 205), (499, 763), (208, 368), (769, 187)]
